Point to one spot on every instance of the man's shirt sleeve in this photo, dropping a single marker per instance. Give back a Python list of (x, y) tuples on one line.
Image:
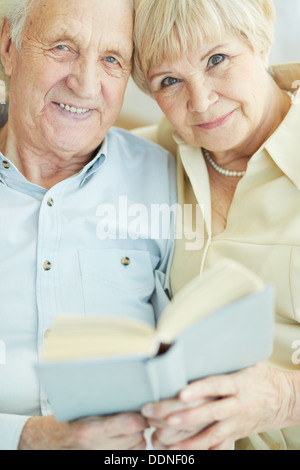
[(162, 292), (11, 427)]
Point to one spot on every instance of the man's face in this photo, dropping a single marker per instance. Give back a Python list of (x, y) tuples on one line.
[(68, 80)]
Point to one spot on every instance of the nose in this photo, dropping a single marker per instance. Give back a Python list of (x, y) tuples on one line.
[(200, 97), (85, 80)]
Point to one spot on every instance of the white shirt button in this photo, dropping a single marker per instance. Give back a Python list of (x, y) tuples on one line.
[(46, 334), (125, 261), (275, 446), (5, 165), (47, 266)]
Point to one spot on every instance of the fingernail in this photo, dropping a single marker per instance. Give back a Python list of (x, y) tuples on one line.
[(186, 395), (148, 411), (174, 421)]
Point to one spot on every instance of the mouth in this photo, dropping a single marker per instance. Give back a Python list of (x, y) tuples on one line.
[(73, 109), (217, 123)]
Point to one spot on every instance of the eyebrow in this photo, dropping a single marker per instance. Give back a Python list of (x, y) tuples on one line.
[(159, 74), (63, 35), (167, 72), (211, 51), (121, 55), (124, 55)]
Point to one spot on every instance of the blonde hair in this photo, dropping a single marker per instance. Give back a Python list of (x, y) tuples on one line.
[(168, 29)]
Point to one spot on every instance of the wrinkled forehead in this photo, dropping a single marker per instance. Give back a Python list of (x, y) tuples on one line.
[(101, 8), (85, 21)]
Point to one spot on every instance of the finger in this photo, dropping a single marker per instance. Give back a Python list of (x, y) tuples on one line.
[(163, 425), (220, 436), (226, 445), (162, 409), (211, 438), (212, 387), (205, 415), (171, 436), (157, 444), (157, 423)]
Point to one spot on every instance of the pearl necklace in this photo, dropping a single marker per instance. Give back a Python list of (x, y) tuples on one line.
[(234, 174)]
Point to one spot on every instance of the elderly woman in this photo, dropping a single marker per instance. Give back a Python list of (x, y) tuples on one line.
[(234, 126)]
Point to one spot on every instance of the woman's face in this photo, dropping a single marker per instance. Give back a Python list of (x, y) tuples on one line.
[(218, 96)]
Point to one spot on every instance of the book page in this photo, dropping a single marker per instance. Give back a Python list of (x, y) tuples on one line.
[(85, 337), (77, 337), (226, 282)]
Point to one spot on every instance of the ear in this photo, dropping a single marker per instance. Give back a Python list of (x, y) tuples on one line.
[(5, 47)]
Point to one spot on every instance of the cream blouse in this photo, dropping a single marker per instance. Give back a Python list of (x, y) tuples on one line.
[(262, 232)]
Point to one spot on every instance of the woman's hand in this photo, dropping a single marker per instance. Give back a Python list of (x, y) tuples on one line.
[(254, 400), (164, 434), (119, 432)]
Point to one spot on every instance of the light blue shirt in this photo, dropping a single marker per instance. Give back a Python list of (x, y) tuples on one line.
[(72, 250)]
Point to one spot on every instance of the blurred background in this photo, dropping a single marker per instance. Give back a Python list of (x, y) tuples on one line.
[(141, 110)]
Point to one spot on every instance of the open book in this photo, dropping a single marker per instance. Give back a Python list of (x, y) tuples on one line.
[(219, 323)]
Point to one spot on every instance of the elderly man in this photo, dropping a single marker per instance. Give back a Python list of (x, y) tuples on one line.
[(60, 165)]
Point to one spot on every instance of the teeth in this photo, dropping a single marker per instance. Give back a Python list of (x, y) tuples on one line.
[(71, 109)]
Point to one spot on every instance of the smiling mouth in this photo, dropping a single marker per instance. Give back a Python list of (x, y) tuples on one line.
[(73, 109), (218, 123)]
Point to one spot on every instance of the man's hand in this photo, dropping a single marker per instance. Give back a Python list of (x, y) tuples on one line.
[(118, 432), (252, 401)]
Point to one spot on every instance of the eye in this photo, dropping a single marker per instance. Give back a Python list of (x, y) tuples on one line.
[(62, 47), (215, 60), (169, 81), (111, 60)]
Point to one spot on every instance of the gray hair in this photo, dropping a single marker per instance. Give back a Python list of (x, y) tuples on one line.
[(16, 11)]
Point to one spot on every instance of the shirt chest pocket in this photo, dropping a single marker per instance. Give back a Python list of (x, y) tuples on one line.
[(117, 282)]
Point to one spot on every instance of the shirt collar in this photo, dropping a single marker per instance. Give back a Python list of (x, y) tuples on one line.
[(286, 75), (284, 145), (90, 168), (83, 176)]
